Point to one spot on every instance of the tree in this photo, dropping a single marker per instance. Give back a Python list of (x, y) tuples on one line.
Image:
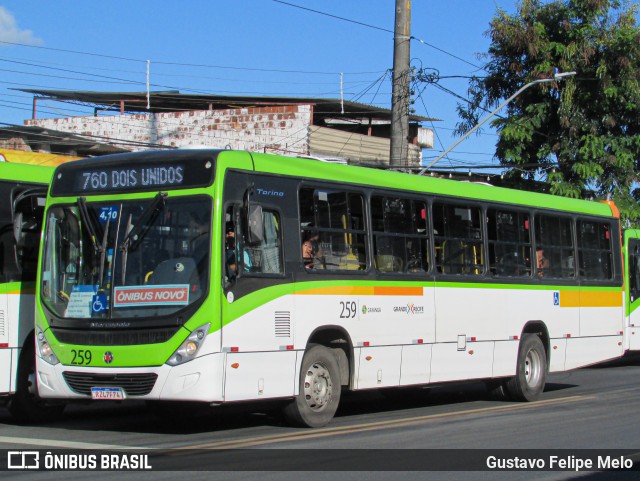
[(583, 134)]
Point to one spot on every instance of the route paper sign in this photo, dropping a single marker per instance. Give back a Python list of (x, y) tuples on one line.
[(80, 301)]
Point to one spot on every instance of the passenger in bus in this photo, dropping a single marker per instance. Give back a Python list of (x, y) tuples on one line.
[(311, 252), (230, 253), (542, 262)]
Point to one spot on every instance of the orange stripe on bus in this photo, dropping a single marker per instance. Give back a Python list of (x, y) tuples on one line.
[(363, 291), (569, 298), (590, 299), (339, 291), (397, 291)]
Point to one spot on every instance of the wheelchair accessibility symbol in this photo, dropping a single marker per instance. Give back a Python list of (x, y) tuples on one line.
[(99, 303), (556, 298)]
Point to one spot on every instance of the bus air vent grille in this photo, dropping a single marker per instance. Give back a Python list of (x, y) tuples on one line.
[(122, 337), (135, 384), (283, 323), (3, 331)]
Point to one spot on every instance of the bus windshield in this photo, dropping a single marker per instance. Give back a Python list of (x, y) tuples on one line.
[(129, 259)]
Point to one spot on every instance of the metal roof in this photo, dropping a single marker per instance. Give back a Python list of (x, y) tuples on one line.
[(60, 141), (173, 100)]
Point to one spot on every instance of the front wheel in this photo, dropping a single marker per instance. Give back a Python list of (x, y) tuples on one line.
[(531, 373), (320, 387), (26, 406)]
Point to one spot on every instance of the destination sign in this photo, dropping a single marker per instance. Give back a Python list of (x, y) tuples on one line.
[(97, 177), (129, 178)]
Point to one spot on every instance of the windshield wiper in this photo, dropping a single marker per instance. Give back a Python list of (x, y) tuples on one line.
[(125, 250), (87, 221), (103, 251), (135, 235)]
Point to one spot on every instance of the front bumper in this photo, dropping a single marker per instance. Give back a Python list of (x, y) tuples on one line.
[(198, 380)]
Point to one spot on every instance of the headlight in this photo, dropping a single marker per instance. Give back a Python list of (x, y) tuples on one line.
[(46, 353), (190, 347)]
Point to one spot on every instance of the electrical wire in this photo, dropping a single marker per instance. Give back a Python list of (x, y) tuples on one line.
[(412, 37), (161, 62)]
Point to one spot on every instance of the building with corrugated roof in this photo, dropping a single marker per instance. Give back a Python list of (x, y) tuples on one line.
[(328, 129)]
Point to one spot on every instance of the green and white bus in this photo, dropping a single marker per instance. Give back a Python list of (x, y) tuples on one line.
[(224, 276), (23, 191), (632, 304)]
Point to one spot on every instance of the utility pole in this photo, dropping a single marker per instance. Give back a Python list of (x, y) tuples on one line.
[(399, 152)]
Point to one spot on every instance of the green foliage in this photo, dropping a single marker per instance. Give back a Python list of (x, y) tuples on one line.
[(583, 132)]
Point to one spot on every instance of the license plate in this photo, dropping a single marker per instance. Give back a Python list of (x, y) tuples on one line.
[(107, 393)]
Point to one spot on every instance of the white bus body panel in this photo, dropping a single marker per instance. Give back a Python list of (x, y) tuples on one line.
[(500, 314), (584, 351), (416, 364), (632, 331), (452, 363), (601, 321), (259, 375), (378, 366), (505, 355), (557, 354), (16, 312)]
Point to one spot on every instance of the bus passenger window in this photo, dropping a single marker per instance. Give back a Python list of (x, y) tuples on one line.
[(334, 220), (634, 273), (458, 239), (594, 250), (400, 235), (509, 243), (554, 237)]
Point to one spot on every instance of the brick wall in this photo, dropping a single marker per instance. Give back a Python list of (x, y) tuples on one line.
[(283, 129)]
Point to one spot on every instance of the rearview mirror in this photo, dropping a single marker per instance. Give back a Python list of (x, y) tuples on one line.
[(255, 231)]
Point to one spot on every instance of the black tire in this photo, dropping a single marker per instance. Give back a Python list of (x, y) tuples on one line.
[(531, 371), (497, 390), (25, 405), (320, 388)]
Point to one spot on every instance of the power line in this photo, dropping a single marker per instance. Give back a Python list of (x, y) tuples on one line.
[(92, 54), (183, 75), (412, 37), (182, 64), (118, 80)]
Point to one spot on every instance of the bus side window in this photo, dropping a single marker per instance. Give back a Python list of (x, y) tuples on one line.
[(458, 239), (594, 250), (509, 243), (264, 257), (335, 221), (400, 235), (554, 238), (9, 271), (634, 274)]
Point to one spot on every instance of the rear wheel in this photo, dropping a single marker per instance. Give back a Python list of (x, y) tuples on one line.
[(26, 405), (319, 395), (531, 374)]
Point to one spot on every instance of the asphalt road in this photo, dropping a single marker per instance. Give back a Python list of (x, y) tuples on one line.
[(594, 408)]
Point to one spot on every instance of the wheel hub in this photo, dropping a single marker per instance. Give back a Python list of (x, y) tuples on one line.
[(318, 387), (532, 368)]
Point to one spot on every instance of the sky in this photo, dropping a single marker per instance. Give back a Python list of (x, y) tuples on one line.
[(248, 47)]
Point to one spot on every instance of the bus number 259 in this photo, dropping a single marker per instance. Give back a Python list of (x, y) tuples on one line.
[(81, 357), (347, 309)]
